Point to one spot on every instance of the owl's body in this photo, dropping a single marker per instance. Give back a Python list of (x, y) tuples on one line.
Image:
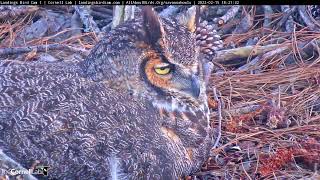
[(120, 114)]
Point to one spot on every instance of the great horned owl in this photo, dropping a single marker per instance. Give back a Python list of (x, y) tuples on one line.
[(136, 108)]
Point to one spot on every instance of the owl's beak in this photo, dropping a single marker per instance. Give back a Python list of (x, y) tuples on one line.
[(195, 86), (189, 84)]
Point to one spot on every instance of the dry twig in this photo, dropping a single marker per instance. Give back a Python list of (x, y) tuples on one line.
[(230, 14), (306, 18), (87, 19), (41, 48), (219, 118), (243, 52)]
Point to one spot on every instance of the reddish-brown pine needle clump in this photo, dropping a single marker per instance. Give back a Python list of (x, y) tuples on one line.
[(276, 161)]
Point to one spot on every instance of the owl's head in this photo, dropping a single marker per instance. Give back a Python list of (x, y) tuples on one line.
[(152, 57)]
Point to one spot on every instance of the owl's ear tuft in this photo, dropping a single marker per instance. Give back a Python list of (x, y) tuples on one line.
[(190, 19), (152, 25)]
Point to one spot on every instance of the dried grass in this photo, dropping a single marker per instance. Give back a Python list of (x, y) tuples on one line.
[(271, 119)]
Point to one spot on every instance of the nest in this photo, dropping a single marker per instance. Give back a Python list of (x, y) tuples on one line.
[(268, 77)]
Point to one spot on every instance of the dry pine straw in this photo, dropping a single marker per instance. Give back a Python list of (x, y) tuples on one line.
[(280, 138)]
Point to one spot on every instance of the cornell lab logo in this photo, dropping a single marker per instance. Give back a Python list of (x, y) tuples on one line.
[(38, 170)]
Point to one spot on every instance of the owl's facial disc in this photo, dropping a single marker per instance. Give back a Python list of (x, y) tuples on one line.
[(168, 77)]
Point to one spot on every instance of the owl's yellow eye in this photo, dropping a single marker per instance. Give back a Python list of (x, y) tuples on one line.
[(162, 69)]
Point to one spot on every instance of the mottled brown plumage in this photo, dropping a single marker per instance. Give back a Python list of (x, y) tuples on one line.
[(101, 118)]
